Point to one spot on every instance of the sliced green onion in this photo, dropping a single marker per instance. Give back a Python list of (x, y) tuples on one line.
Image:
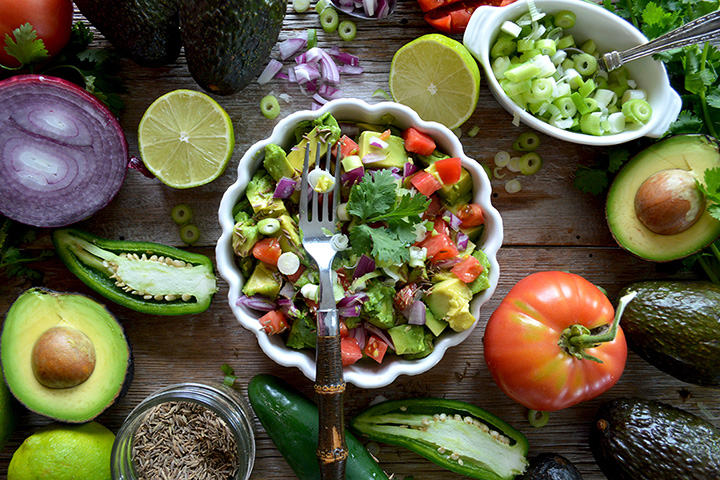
[(288, 263), (543, 88), (616, 122), (587, 87), (229, 375), (300, 5), (504, 46), (546, 46), (189, 234), (632, 93), (502, 158), (637, 110), (513, 186), (514, 164), (525, 44), (270, 107), (499, 66), (516, 88), (511, 28), (347, 30), (474, 130), (321, 5), (589, 47), (605, 97), (530, 163), (311, 37), (181, 214), (329, 19), (591, 123), (496, 173), (382, 93), (537, 418), (566, 106), (585, 64), (565, 19), (565, 42), (268, 226), (527, 142), (520, 73)]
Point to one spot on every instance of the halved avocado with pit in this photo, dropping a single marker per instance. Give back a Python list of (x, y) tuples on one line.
[(64, 355), (665, 175)]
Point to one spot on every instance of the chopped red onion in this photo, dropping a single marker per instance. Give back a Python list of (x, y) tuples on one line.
[(330, 70), (344, 57), (256, 302), (461, 240), (454, 220), (378, 142), (417, 313), (360, 335), (136, 164), (383, 9), (353, 176), (369, 7), (409, 169), (373, 157), (286, 292), (350, 311), (329, 92), (354, 299), (285, 188), (291, 46), (364, 266), (306, 72), (319, 99), (450, 262), (350, 69), (272, 69)]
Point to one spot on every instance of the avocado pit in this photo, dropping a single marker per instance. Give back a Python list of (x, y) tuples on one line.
[(669, 202), (63, 357)]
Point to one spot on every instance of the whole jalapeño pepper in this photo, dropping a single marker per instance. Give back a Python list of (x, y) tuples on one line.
[(455, 435), (143, 276)]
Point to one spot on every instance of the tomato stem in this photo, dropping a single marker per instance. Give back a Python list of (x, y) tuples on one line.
[(576, 338)]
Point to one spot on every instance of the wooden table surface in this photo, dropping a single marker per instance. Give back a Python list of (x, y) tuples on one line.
[(549, 225)]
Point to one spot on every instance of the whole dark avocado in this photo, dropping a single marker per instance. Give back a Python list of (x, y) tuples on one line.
[(146, 31), (228, 42), (636, 439), (675, 326), (550, 466)]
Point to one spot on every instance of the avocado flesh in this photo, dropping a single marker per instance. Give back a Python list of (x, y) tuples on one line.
[(675, 326), (32, 314), (694, 153)]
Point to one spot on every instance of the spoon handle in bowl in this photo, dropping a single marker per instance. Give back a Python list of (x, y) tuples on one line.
[(702, 29)]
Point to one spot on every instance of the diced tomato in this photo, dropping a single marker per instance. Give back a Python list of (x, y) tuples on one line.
[(449, 170), (296, 276), (441, 226), (452, 16), (274, 322), (268, 250), (344, 331), (470, 215), (418, 142), (425, 183), (349, 147), (350, 350), (405, 296), (468, 269), (376, 348), (439, 247), (385, 135)]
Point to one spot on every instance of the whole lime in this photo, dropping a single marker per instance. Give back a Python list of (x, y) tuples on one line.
[(64, 451)]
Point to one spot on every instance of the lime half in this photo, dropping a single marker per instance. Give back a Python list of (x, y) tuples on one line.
[(438, 78), (186, 139)]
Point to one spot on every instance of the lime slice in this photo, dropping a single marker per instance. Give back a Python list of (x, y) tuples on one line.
[(186, 139), (438, 78)]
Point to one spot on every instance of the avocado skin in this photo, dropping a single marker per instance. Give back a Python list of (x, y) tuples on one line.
[(146, 31), (675, 326), (237, 35), (636, 439), (550, 466)]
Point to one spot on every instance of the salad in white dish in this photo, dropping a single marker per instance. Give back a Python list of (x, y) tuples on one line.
[(407, 263)]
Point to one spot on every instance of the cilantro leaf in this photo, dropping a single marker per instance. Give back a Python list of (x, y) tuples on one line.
[(711, 189), (13, 260), (590, 180), (373, 196), (26, 47)]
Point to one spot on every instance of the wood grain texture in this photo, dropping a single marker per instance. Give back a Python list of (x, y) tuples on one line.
[(548, 225)]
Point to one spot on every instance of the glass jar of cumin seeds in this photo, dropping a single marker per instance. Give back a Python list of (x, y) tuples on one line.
[(186, 430)]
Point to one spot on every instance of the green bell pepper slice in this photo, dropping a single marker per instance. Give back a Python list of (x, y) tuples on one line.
[(458, 436), (143, 276)]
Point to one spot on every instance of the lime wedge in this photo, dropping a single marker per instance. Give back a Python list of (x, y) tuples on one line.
[(438, 78), (186, 139)]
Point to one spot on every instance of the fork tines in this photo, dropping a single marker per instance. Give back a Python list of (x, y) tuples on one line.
[(324, 214)]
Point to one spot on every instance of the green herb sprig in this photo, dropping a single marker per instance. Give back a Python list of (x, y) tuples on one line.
[(14, 261)]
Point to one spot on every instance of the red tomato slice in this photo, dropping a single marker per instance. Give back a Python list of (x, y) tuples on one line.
[(349, 147), (468, 270), (470, 215), (425, 183), (344, 331), (418, 142), (350, 350), (439, 247), (274, 322), (452, 16), (376, 348), (449, 170), (441, 226), (268, 250)]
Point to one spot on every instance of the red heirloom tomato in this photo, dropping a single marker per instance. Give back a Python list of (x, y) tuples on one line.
[(452, 16), (51, 19), (554, 341)]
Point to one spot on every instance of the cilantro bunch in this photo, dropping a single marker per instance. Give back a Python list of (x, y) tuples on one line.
[(13, 261), (387, 217)]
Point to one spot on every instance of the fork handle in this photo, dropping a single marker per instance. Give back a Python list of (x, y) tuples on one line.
[(332, 452)]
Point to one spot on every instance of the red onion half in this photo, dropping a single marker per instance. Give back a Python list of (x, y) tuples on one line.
[(63, 154)]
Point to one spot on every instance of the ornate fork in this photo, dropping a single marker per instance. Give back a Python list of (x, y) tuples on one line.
[(329, 384)]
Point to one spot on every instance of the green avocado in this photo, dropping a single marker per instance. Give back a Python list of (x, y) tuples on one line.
[(635, 214), (379, 307), (245, 235), (395, 154), (457, 193), (636, 439), (146, 31), (276, 163), (262, 282), (290, 240), (228, 42), (64, 355), (259, 193), (449, 300), (675, 326), (408, 339)]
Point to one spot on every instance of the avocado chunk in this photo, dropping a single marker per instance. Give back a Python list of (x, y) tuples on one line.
[(675, 326), (290, 240), (449, 300), (408, 339), (691, 154), (379, 305), (634, 439), (456, 193), (433, 324), (276, 163), (64, 355), (395, 154), (262, 282), (245, 235), (228, 42), (259, 193)]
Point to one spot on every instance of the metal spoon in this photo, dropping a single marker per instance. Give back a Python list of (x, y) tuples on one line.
[(700, 30), (370, 10)]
